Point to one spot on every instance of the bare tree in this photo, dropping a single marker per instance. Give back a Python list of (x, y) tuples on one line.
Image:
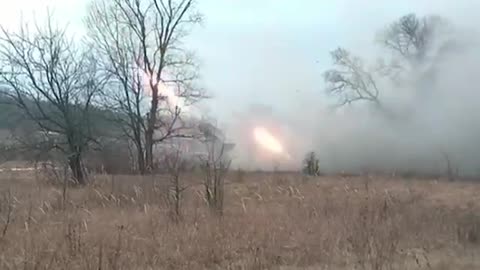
[(451, 170), (412, 37), (54, 83), (215, 166), (350, 80), (411, 40), (417, 45), (139, 43)]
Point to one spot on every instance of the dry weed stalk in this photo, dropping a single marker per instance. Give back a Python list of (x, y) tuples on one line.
[(6, 210), (176, 164), (215, 166)]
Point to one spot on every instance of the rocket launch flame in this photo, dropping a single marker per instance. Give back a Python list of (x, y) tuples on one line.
[(269, 142)]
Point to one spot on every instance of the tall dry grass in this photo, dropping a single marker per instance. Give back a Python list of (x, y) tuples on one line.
[(270, 221)]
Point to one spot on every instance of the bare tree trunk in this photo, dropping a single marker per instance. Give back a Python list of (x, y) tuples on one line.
[(75, 163), (140, 160), (219, 191), (65, 186), (148, 150), (151, 120), (140, 153)]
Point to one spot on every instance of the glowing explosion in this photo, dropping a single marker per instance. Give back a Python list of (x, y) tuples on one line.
[(267, 141), (164, 90)]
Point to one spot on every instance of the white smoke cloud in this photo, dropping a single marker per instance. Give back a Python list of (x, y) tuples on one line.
[(439, 116)]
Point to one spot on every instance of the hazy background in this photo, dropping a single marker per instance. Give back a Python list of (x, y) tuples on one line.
[(273, 52)]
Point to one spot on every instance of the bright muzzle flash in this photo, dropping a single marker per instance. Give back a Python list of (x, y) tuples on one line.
[(268, 142)]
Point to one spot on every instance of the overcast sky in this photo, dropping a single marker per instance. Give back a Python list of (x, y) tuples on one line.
[(273, 53), (270, 52)]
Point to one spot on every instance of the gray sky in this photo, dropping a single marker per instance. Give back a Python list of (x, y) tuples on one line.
[(269, 51), (273, 52)]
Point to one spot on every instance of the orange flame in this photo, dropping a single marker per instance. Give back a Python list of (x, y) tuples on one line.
[(267, 141)]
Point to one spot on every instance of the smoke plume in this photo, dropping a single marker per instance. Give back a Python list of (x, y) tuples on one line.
[(436, 108)]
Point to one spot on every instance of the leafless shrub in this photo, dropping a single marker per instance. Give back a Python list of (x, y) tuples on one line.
[(311, 165), (451, 171), (7, 205), (74, 237), (468, 230), (176, 165), (49, 173), (215, 166)]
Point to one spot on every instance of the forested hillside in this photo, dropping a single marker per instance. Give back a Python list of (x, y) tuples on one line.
[(12, 117), (9, 114)]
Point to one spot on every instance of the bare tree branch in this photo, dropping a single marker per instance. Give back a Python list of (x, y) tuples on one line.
[(53, 83), (215, 166), (139, 43), (412, 37), (349, 80), (176, 164)]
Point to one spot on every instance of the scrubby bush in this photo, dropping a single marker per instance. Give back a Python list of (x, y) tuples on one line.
[(311, 164)]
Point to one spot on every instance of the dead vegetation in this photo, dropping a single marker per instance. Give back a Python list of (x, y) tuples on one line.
[(269, 222)]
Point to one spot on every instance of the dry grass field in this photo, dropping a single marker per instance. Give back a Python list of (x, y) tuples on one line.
[(270, 221)]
